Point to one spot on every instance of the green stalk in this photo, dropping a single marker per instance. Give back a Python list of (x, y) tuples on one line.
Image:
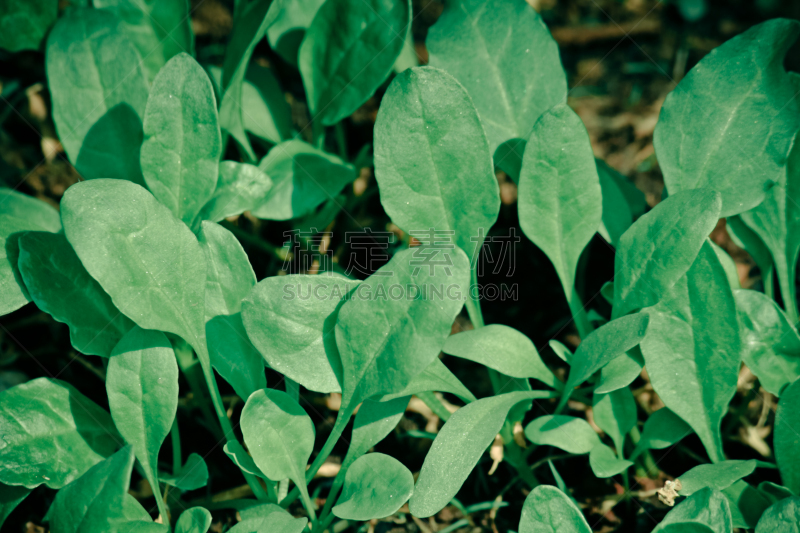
[(579, 314), (434, 404), (222, 415), (176, 447)]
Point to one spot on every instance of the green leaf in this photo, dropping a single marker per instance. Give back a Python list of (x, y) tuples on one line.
[(548, 510), (303, 177), (692, 349), (138, 526), (659, 248), (269, 518), (746, 238), (293, 19), (435, 377), (770, 345), (93, 503), (783, 516), (605, 463), (229, 278), (728, 265), (746, 503), (375, 486), (718, 476), (239, 455), (182, 143), (159, 30), (251, 20), (637, 203), (617, 216), (706, 506), (503, 349), (265, 111), (602, 346), (20, 213), (241, 187), (373, 422), (192, 475), (291, 321), (458, 447), (730, 129), (142, 386), (686, 527), (99, 92), (615, 414), (773, 492), (10, 497), (194, 520), (662, 430), (621, 371), (52, 434), (60, 286), (280, 435), (430, 179), (787, 440), (405, 335), (573, 435), (499, 51), (23, 25), (344, 59), (147, 260), (776, 222), (560, 200)]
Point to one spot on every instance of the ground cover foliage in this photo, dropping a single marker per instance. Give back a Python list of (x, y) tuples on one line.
[(272, 321)]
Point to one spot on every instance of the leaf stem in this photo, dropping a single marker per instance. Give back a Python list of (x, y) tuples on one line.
[(222, 415), (579, 314), (434, 404), (176, 447)]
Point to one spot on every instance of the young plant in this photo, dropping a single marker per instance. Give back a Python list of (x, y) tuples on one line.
[(141, 265)]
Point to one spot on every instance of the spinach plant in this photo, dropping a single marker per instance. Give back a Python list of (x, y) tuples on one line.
[(149, 276)]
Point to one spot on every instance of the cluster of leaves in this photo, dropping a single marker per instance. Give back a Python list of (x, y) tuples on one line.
[(137, 266)]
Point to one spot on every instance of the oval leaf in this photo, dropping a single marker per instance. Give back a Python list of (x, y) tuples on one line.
[(718, 476), (560, 201), (60, 286), (431, 179), (787, 440), (343, 60), (142, 386), (706, 506), (291, 321), (240, 187), (63, 435), (512, 353), (782, 516), (730, 129), (499, 51), (571, 434), (661, 430), (548, 509), (375, 486), (194, 520), (182, 142)]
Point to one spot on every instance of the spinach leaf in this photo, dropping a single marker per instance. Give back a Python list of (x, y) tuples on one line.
[(707, 506), (718, 476), (548, 509), (291, 321), (20, 213), (291, 23), (660, 247), (499, 51), (427, 175), (781, 516), (194, 520), (560, 200), (142, 386), (159, 30), (571, 434), (10, 497), (504, 349), (192, 475), (375, 486), (615, 414), (52, 434), (348, 52), (731, 129), (436, 377), (99, 92), (662, 430), (60, 286), (240, 187), (692, 349), (23, 25), (182, 142)]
